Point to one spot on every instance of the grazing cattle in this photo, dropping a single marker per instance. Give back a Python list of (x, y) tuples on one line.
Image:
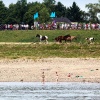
[(42, 38), (90, 40), (60, 38), (73, 38)]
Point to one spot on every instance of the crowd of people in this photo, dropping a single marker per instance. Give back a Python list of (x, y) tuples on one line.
[(52, 26), (14, 27), (72, 26)]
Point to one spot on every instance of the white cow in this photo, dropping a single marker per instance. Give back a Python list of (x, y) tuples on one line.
[(90, 40)]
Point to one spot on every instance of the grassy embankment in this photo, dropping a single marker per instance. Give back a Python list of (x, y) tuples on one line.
[(78, 48)]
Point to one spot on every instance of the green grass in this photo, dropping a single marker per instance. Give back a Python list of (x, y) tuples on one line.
[(49, 50), (30, 36), (78, 48)]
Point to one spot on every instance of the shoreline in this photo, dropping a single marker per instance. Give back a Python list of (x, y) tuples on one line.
[(50, 70)]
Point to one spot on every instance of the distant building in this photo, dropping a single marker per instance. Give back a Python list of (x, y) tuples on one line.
[(62, 19)]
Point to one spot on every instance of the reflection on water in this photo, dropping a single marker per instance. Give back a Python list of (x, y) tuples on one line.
[(49, 91)]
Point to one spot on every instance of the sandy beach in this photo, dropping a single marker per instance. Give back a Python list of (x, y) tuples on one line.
[(50, 70)]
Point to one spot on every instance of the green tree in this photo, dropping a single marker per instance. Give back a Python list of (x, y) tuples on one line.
[(3, 13), (44, 15), (21, 9), (60, 10), (85, 17), (42, 11), (11, 15), (74, 13), (49, 2), (94, 9), (32, 9)]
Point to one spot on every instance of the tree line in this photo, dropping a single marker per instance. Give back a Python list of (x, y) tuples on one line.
[(22, 12)]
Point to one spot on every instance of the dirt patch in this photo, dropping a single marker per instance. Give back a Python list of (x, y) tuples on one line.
[(50, 70)]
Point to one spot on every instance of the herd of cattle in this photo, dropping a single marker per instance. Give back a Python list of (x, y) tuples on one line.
[(65, 38)]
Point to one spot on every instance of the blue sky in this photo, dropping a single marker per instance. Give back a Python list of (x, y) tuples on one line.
[(81, 3)]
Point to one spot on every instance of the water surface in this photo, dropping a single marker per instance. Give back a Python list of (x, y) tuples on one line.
[(49, 91)]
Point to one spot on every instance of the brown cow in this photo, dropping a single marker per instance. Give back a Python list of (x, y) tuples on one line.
[(60, 38)]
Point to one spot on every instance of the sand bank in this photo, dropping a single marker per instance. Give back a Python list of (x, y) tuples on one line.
[(50, 70)]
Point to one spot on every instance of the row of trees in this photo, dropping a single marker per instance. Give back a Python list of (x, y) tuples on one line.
[(23, 12)]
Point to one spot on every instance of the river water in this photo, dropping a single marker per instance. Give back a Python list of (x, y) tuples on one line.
[(49, 91)]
